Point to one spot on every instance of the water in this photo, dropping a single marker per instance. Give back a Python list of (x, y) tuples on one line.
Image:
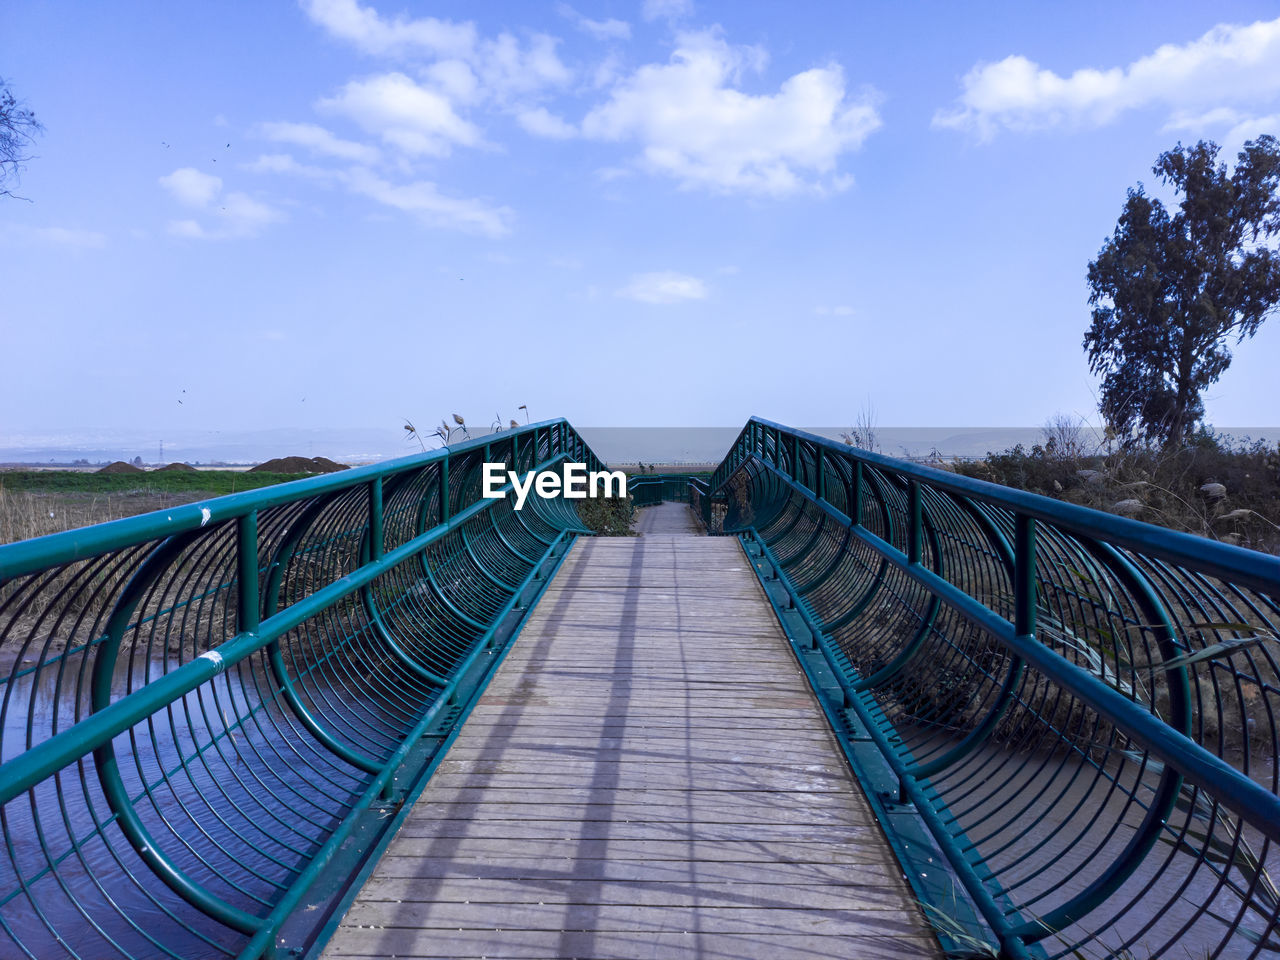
[(673, 445)]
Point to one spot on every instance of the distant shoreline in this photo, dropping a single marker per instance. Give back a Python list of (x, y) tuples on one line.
[(229, 450)]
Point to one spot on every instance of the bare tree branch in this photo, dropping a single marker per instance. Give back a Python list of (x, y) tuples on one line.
[(18, 130)]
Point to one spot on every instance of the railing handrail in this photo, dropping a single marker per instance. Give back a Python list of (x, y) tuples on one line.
[(1053, 590), (30, 767), (223, 540), (1225, 560), (26, 556)]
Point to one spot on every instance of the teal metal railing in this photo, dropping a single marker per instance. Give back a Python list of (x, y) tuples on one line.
[(649, 489), (1066, 721), (709, 508), (215, 716)]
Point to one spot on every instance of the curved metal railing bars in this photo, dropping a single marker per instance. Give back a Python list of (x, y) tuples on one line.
[(1077, 714), (708, 508), (212, 717), (648, 489)]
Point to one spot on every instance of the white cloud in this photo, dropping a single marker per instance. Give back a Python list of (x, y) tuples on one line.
[(186, 228), (600, 29), (506, 69), (363, 27), (319, 140), (664, 287), (70, 237), (693, 125), (667, 9), (284, 163), (542, 123), (233, 214), (1228, 64), (189, 186), (1250, 128), (503, 67), (425, 201), (1218, 116), (414, 118), (1239, 126), (455, 79), (420, 198), (241, 214)]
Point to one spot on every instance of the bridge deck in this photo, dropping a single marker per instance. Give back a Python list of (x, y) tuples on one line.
[(647, 776)]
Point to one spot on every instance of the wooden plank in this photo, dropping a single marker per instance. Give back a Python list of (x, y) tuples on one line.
[(593, 833), (643, 841), (647, 776), (891, 920), (616, 870), (653, 777), (825, 895), (410, 944)]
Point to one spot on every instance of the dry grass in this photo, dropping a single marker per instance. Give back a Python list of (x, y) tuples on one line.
[(25, 514)]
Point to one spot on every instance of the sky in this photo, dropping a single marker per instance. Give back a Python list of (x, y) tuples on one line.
[(346, 213)]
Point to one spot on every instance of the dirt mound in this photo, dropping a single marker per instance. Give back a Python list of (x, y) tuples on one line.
[(177, 466), (299, 465), (121, 467)]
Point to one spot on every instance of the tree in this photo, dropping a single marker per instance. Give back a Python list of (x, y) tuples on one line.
[(18, 129), (1169, 292)]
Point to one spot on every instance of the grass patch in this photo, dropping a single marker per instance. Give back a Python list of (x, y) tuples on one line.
[(212, 483), (1213, 486), (35, 503)]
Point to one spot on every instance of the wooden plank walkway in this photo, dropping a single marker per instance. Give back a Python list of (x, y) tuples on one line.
[(647, 776)]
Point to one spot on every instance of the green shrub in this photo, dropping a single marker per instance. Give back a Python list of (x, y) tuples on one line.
[(608, 516)]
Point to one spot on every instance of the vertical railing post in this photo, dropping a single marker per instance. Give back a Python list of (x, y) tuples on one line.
[(821, 482), (444, 489), (375, 519), (915, 525), (1024, 574), (249, 603), (795, 458), (855, 495)]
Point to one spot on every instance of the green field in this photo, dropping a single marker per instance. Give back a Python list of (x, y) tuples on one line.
[(213, 483), (34, 503)]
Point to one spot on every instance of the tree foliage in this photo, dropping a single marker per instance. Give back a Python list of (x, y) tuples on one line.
[(1169, 291), (18, 129)]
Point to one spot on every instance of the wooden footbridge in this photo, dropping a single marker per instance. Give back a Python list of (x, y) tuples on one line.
[(618, 793), (826, 704)]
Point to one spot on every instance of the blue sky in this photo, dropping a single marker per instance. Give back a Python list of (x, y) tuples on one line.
[(342, 213)]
